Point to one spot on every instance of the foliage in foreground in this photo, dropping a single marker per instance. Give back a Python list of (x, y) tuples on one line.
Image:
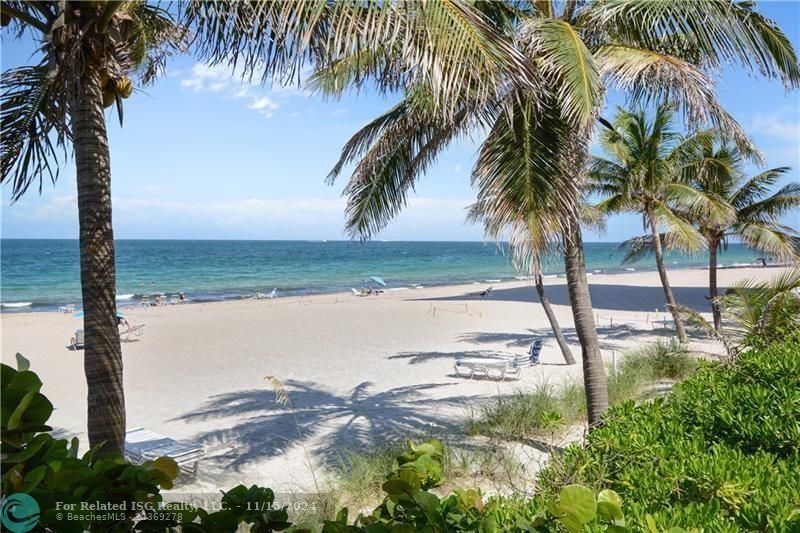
[(51, 471), (545, 410), (720, 452)]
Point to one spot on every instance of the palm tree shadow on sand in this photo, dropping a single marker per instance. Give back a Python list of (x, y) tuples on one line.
[(262, 428)]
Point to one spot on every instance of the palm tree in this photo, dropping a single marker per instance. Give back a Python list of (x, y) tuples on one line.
[(527, 245), (86, 52), (718, 173), (650, 50), (756, 312), (643, 173)]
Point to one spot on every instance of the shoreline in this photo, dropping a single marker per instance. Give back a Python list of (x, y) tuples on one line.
[(132, 301)]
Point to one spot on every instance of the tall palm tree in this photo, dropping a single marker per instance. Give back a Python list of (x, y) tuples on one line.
[(757, 221), (576, 51), (643, 173), (528, 242), (86, 51)]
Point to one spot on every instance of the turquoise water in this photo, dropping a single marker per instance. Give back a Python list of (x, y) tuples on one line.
[(45, 273)]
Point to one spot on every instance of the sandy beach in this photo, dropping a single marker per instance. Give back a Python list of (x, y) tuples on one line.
[(357, 370)]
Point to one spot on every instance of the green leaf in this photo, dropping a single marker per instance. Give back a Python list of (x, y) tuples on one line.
[(16, 416), (168, 466), (22, 363), (429, 502), (609, 505), (33, 478), (397, 487), (26, 380), (579, 505)]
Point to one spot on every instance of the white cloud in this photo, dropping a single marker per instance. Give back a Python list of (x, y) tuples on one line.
[(219, 79), (161, 216), (777, 125), (264, 105)]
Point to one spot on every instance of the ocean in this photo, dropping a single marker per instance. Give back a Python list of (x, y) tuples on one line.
[(44, 274)]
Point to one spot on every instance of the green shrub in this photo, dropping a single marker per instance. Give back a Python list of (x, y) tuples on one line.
[(545, 409), (520, 415), (721, 452), (410, 505)]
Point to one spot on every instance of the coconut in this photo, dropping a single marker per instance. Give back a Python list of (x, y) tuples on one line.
[(108, 98)]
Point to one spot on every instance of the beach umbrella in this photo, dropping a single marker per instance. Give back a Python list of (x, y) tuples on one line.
[(79, 314), (378, 280)]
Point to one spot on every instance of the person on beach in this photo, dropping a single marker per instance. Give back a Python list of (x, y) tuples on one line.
[(122, 322)]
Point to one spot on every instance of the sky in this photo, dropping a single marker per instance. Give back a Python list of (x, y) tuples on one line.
[(203, 155)]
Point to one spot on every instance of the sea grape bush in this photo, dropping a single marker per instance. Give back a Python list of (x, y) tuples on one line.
[(52, 472), (722, 452), (410, 505)]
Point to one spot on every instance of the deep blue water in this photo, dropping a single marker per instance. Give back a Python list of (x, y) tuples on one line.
[(46, 272)]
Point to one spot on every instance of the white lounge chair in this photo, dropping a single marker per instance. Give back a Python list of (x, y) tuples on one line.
[(145, 301), (136, 330), (273, 294), (67, 308), (498, 368), (361, 292), (143, 445)]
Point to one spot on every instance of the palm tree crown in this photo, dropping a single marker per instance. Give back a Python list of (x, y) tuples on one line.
[(576, 51)]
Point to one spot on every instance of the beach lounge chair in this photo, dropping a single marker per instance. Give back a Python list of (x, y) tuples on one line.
[(273, 294), (76, 342), (498, 368), (145, 301), (143, 445), (361, 292), (67, 308), (136, 330)]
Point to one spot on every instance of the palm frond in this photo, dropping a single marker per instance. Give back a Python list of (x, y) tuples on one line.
[(34, 128), (712, 33), (680, 234), (638, 248), (447, 44), (699, 204), (392, 152), (770, 238), (518, 172), (650, 77), (784, 200), (760, 310), (524, 195), (756, 187), (559, 51)]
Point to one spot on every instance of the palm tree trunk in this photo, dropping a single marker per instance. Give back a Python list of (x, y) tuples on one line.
[(551, 317), (102, 354), (594, 375), (712, 285), (662, 272)]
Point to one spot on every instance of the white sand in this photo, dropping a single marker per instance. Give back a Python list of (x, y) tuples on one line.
[(358, 370)]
